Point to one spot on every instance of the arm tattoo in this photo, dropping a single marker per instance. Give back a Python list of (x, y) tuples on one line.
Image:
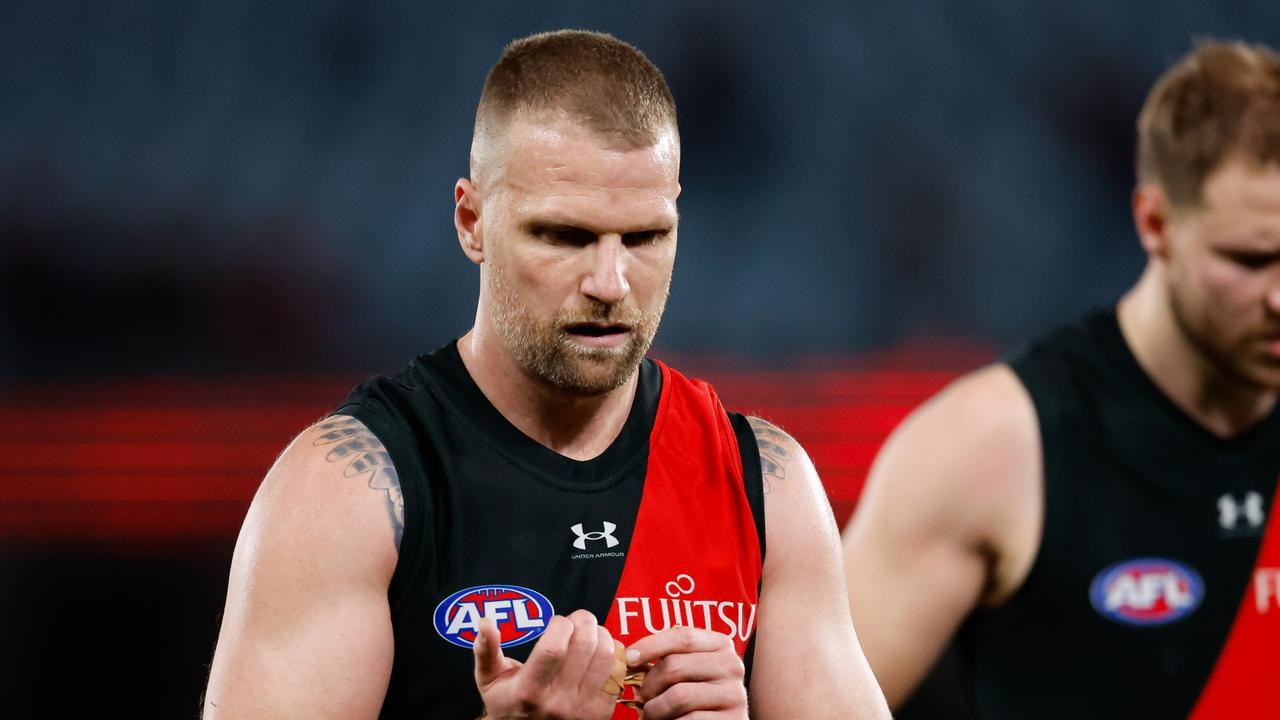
[(775, 451), (365, 456)]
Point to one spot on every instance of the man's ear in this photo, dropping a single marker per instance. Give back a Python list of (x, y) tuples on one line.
[(1151, 211), (466, 218)]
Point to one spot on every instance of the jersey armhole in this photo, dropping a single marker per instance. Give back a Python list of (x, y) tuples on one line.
[(752, 477), (1056, 497), (415, 497), (753, 485)]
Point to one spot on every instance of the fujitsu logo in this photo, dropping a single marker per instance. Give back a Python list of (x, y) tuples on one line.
[(735, 619), (583, 537), (1266, 589)]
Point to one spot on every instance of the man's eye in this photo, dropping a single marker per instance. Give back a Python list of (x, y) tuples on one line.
[(1251, 260), (565, 236), (643, 238)]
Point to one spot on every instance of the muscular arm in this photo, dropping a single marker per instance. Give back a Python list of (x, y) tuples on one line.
[(807, 659), (307, 630), (950, 518)]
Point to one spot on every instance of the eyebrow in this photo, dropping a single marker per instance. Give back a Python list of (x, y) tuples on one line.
[(1257, 241)]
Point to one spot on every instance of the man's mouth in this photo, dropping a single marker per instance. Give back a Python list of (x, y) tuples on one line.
[(602, 335), (597, 330)]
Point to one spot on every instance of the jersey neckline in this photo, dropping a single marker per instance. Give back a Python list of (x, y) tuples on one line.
[(451, 382)]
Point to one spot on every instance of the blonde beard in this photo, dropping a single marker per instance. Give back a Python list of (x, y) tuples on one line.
[(547, 353), (1230, 359)]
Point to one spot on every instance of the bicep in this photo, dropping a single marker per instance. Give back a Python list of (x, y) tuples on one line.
[(908, 590), (307, 628), (807, 659), (921, 545)]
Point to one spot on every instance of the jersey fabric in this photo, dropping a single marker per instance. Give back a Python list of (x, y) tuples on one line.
[(1149, 596), (664, 528)]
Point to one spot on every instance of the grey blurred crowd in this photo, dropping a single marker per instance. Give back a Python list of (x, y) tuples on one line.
[(243, 186)]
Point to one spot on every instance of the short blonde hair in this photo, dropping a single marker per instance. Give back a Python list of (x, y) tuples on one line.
[(1221, 100), (599, 80)]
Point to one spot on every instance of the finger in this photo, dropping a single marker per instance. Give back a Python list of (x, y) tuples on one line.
[(617, 670), (582, 649), (548, 654), (488, 653), (690, 667), (675, 640), (597, 675), (683, 699)]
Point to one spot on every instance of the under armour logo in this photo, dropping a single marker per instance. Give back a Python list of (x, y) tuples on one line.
[(583, 537), (1230, 510)]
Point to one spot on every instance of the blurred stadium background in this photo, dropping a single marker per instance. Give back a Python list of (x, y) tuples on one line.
[(215, 217)]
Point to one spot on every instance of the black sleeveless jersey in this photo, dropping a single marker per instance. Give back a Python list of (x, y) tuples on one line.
[(1149, 597), (664, 528)]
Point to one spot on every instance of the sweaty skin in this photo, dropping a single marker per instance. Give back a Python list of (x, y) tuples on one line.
[(953, 509)]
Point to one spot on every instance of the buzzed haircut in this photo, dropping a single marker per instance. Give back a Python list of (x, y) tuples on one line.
[(604, 83), (1220, 101)]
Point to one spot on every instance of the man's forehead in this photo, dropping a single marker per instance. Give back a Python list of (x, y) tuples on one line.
[(1242, 206), (557, 149), (1244, 184)]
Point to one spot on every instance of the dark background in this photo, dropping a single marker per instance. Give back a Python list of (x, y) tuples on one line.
[(216, 216)]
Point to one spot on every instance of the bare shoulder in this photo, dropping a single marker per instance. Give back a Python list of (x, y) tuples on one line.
[(962, 471), (334, 482), (978, 434), (798, 516), (990, 395), (784, 465), (778, 451), (350, 445)]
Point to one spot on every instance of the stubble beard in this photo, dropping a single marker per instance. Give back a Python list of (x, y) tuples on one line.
[(1232, 363), (546, 351)]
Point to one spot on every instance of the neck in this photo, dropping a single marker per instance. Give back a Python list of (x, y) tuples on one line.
[(1217, 399), (578, 427)]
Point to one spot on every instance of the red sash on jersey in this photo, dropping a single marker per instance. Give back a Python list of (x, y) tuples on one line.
[(694, 558), (1243, 680)]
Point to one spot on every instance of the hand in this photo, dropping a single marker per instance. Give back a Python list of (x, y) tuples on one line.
[(697, 674), (563, 679)]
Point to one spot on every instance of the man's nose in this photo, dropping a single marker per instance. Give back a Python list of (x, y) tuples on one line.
[(1273, 299), (606, 278)]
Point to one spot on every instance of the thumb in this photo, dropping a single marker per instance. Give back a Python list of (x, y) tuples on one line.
[(488, 653)]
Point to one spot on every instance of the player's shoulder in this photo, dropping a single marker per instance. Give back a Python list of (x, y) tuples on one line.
[(778, 449), (791, 483), (988, 405), (326, 453), (963, 468), (799, 526), (333, 485), (975, 443)]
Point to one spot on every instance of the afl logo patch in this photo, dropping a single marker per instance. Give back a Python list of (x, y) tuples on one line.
[(1147, 591), (520, 613)]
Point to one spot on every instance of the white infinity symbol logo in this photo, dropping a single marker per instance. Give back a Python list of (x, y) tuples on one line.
[(675, 588)]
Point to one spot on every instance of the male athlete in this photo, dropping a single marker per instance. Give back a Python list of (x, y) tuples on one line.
[(535, 520), (1092, 515)]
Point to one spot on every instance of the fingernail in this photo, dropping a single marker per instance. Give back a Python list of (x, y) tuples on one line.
[(633, 656)]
